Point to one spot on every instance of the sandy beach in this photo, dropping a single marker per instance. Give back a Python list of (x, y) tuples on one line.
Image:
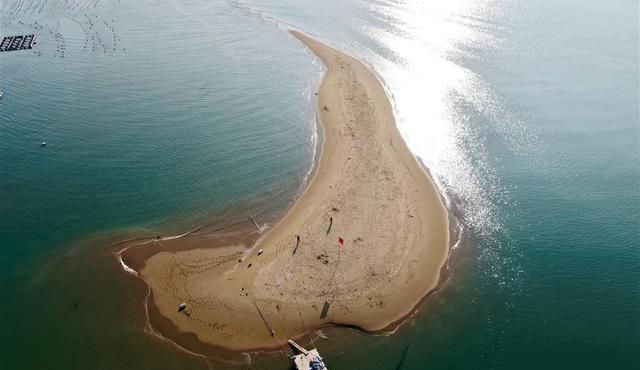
[(361, 247)]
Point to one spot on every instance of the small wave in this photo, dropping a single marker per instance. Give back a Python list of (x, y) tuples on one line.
[(173, 237), (125, 267), (314, 155)]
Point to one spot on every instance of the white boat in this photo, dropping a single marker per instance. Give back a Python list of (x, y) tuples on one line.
[(1, 94), (307, 360)]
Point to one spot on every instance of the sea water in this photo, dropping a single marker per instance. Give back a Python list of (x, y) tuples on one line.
[(162, 116)]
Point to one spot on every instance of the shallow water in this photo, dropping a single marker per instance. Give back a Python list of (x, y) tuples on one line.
[(161, 116)]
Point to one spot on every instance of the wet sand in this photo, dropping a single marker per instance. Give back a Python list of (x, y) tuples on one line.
[(368, 189)]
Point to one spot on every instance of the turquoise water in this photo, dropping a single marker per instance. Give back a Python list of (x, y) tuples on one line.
[(172, 114)]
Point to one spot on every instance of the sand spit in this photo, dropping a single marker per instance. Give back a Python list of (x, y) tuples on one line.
[(368, 191)]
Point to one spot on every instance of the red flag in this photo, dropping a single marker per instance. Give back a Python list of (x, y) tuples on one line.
[(341, 241)]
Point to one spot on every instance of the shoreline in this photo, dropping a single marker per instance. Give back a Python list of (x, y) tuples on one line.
[(245, 249)]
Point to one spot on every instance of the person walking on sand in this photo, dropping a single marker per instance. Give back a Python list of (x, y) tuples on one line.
[(330, 224), (297, 244)]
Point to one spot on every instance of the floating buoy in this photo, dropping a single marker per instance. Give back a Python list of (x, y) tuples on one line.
[(43, 144)]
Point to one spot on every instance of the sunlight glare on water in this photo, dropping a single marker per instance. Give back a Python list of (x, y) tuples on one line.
[(430, 90), (446, 111)]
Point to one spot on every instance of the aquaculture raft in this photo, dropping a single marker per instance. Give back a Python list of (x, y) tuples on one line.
[(307, 360), (21, 42)]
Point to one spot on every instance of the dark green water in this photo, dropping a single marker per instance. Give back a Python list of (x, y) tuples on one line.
[(172, 114)]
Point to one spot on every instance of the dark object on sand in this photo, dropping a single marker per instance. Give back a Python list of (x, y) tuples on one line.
[(324, 258), (182, 307), (325, 310), (297, 245)]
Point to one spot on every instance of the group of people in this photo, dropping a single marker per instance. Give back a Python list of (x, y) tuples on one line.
[(298, 236)]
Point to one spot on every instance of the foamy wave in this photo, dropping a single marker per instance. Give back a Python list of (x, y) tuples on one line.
[(125, 267), (173, 237)]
